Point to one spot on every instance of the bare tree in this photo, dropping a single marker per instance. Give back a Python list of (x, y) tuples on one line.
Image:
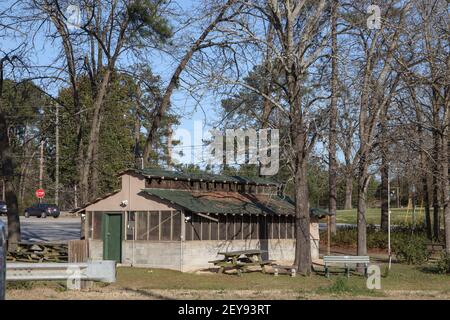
[(299, 39), (332, 162), (109, 30), (202, 42), (378, 84)]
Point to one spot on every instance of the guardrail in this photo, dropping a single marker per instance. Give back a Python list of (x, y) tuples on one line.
[(2, 260), (104, 271)]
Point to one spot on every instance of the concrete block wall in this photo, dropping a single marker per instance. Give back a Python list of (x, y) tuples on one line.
[(95, 249), (194, 255), (164, 255)]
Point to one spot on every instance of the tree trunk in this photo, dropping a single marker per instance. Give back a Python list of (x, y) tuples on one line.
[(332, 174), (445, 176), (348, 205), (384, 193), (426, 203), (436, 189), (445, 190), (423, 166), (93, 137), (302, 220), (137, 128), (8, 176), (384, 171), (93, 185), (363, 180)]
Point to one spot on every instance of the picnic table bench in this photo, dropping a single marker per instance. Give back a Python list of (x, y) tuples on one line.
[(241, 260), (347, 261), (287, 269), (435, 247)]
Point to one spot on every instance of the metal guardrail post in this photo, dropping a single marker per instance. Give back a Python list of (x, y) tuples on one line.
[(2, 260)]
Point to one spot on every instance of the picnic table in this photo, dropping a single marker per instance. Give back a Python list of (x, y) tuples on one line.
[(241, 260)]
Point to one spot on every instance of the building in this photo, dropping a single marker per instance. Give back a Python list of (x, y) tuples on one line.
[(173, 220)]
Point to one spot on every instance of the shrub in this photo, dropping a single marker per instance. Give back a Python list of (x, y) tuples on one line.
[(340, 286), (411, 249), (344, 236), (443, 264), (348, 237)]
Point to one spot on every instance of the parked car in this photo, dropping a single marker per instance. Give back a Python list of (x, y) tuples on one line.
[(3, 208), (42, 210)]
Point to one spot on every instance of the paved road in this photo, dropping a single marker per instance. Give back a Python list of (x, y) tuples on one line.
[(61, 229)]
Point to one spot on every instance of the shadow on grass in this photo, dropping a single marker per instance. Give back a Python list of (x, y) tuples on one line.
[(148, 294), (429, 269)]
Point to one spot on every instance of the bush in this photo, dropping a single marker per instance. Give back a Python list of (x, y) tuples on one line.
[(348, 237), (443, 264), (410, 249), (376, 239)]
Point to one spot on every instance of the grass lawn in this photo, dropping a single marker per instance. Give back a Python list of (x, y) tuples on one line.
[(401, 215), (400, 277), (402, 282)]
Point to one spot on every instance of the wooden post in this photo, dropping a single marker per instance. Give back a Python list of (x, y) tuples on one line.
[(78, 251)]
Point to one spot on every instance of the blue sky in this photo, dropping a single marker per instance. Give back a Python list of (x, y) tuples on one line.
[(192, 112)]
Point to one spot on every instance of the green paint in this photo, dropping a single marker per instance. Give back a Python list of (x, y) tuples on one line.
[(112, 236)]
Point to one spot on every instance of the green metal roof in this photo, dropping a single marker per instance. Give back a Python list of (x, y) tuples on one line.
[(178, 175), (230, 202), (225, 202)]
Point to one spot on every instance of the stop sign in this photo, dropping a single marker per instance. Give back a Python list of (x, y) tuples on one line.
[(40, 193)]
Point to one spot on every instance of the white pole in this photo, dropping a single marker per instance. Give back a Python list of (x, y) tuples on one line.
[(57, 155), (389, 222)]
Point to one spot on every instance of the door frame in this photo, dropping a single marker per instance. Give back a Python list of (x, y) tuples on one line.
[(105, 225)]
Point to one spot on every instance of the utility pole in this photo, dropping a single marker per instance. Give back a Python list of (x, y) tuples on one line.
[(75, 196), (169, 148), (41, 167), (398, 197), (57, 155)]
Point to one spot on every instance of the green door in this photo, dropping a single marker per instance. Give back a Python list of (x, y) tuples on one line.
[(112, 236)]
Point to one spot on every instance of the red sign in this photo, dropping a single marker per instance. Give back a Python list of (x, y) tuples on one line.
[(40, 193)]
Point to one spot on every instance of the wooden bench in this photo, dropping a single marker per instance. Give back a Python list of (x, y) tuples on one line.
[(347, 261), (289, 269)]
